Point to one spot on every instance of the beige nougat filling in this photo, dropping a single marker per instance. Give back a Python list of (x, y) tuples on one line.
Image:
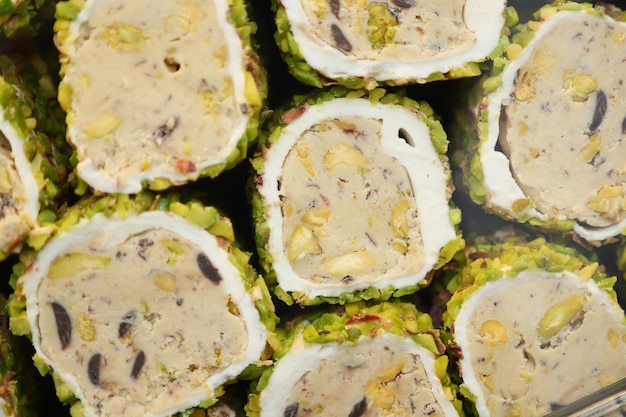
[(348, 207), (149, 320), (15, 223), (152, 88), (391, 29), (367, 380), (541, 343), (565, 126)]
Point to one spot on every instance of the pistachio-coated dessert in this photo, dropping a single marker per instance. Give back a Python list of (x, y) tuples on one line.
[(187, 104), (365, 43), (19, 396), (537, 326), (142, 307), (359, 360), (352, 198), (548, 146), (34, 158)]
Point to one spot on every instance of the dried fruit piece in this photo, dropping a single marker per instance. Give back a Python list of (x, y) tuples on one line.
[(359, 408), (207, 268), (93, 368), (340, 39), (63, 324), (599, 111), (138, 363)]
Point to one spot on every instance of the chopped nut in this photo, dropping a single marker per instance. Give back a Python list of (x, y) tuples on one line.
[(399, 222), (520, 205), (494, 332), (102, 126), (613, 338), (586, 272), (165, 281), (608, 200), (124, 36), (302, 243), (349, 264), (340, 153), (75, 263), (579, 85), (525, 85), (317, 216), (303, 152), (381, 25), (590, 150), (86, 328), (559, 315)]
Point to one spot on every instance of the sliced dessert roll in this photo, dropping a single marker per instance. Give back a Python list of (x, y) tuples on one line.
[(385, 359), (538, 327), (364, 43), (34, 158), (551, 125), (143, 314), (352, 198), (157, 96)]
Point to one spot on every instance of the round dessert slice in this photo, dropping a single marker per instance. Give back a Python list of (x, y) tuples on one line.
[(143, 314), (186, 104), (523, 317), (384, 359), (551, 146), (392, 41), (34, 158), (354, 194)]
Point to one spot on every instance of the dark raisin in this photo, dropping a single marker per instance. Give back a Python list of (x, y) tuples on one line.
[(126, 324), (624, 126), (165, 130), (403, 4), (340, 39), (335, 5), (599, 111), (140, 359), (64, 324), (208, 269), (93, 368), (359, 408), (144, 244), (291, 410)]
